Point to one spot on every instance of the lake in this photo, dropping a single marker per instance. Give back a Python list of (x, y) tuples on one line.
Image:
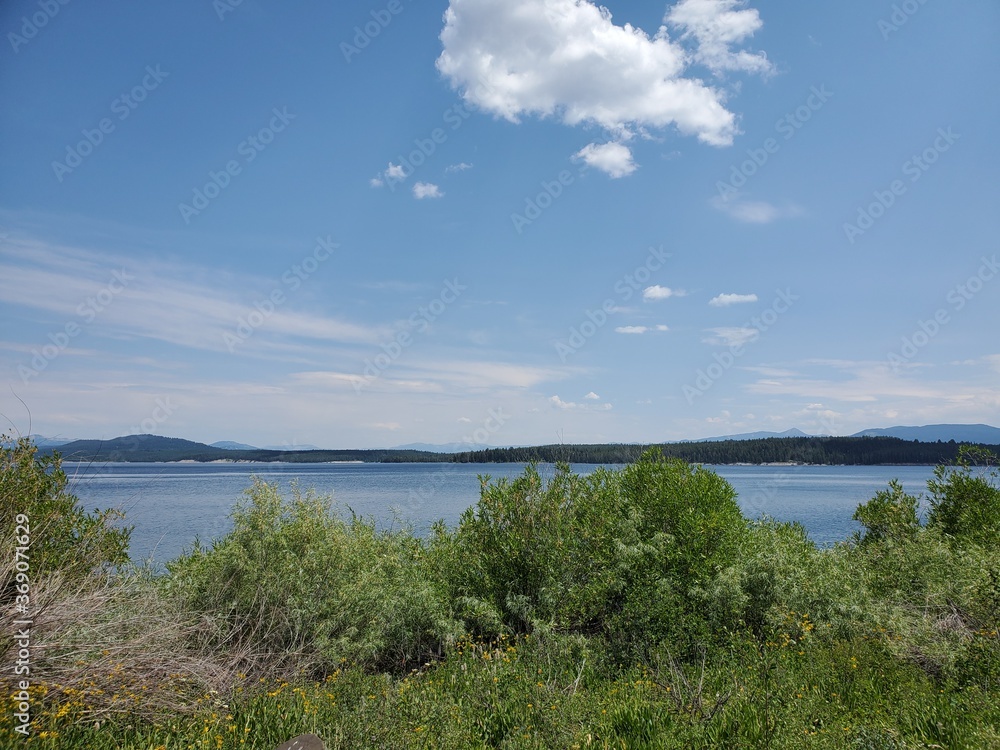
[(171, 504)]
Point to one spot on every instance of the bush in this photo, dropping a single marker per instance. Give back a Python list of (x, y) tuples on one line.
[(890, 515), (966, 504), (297, 579), (623, 553), (64, 537)]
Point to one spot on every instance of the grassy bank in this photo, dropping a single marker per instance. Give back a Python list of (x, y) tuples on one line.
[(630, 608)]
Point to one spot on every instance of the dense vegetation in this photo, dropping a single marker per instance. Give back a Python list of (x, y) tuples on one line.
[(628, 608), (851, 451), (806, 450)]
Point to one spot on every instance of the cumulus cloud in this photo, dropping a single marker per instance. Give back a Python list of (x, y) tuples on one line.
[(611, 158), (423, 190), (716, 25), (392, 174), (592, 396), (656, 292), (725, 300), (568, 59), (460, 167)]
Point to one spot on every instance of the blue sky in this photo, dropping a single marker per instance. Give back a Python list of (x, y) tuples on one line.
[(505, 221)]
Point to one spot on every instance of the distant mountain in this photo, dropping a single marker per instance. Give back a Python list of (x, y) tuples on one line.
[(157, 448), (46, 442), (441, 447), (153, 446), (960, 433), (229, 445), (794, 432)]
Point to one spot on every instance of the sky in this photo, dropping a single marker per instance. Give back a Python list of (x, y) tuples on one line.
[(507, 222)]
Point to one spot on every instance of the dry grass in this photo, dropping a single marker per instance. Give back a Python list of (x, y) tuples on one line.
[(117, 645)]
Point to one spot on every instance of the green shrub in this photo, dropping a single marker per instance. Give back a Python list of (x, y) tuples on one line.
[(890, 515), (295, 578), (624, 553), (965, 504), (64, 537)]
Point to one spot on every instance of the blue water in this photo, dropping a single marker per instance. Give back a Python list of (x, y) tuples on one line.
[(172, 504)]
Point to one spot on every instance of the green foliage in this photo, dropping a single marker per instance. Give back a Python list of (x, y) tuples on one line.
[(633, 608), (532, 552), (64, 537), (890, 515), (624, 553), (295, 577), (861, 451), (965, 503)]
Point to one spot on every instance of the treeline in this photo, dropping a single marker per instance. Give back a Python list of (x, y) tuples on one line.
[(855, 451)]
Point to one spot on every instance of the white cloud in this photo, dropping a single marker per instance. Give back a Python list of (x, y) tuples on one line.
[(661, 292), (392, 174), (611, 158), (640, 329), (460, 167), (725, 300), (716, 25), (592, 396), (464, 420), (188, 311), (426, 190), (731, 336), (753, 212), (567, 59), (558, 403)]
